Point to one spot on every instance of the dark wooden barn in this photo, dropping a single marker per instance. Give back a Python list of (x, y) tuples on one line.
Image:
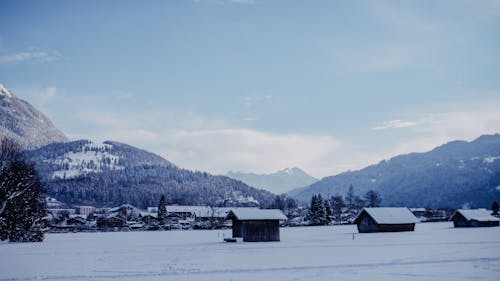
[(473, 218), (256, 225), (385, 220)]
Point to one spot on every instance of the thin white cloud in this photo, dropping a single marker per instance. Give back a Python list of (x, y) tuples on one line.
[(394, 124), (31, 56), (221, 150), (253, 100)]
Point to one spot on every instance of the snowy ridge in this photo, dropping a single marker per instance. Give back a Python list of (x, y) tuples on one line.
[(4, 92), (91, 157), (491, 159), (21, 122)]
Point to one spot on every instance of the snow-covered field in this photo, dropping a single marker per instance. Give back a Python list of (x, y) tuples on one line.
[(435, 251)]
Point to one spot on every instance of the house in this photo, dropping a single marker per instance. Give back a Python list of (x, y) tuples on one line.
[(76, 220), (256, 225), (112, 220), (86, 210), (473, 218), (385, 220)]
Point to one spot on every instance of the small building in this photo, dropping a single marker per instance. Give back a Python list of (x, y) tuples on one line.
[(473, 218), (76, 220), (86, 210), (256, 225), (385, 220)]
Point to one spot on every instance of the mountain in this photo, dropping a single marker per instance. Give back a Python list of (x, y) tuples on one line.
[(455, 174), (278, 182), (22, 122), (112, 173)]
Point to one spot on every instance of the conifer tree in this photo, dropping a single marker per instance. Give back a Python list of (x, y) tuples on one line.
[(162, 211), (328, 212), (350, 197), (22, 205), (495, 207)]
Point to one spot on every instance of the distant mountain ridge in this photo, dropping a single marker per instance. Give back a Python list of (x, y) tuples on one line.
[(20, 121), (455, 174), (279, 182), (112, 173)]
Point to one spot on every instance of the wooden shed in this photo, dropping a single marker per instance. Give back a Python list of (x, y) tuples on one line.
[(385, 220), (256, 225), (473, 218)]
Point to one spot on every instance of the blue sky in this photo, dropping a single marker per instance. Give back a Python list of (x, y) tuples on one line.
[(258, 86)]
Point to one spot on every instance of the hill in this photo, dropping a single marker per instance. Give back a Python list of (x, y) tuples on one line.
[(455, 174), (112, 173)]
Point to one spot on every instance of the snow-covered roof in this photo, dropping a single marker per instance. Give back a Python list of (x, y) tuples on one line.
[(389, 215), (204, 211), (475, 214), (256, 214)]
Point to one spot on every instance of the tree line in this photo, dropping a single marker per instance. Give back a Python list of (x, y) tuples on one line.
[(324, 211)]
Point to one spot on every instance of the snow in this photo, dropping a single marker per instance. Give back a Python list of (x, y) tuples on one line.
[(389, 215), (476, 214), (90, 158), (257, 214), (203, 211), (491, 159), (4, 92), (434, 251)]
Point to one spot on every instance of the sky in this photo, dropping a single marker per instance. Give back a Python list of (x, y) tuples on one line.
[(256, 85)]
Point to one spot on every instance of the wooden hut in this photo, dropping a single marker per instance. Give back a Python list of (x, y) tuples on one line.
[(473, 218), (385, 220), (256, 225)]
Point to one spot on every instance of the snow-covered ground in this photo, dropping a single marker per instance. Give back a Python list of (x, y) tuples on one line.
[(435, 251)]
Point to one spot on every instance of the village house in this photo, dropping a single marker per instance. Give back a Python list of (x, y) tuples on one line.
[(473, 218), (385, 220), (256, 225)]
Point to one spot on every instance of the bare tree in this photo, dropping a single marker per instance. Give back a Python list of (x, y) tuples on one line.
[(373, 199)]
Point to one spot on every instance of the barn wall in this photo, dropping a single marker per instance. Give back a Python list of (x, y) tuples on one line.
[(260, 230), (396, 227), (367, 225), (475, 223), (236, 228), (460, 221)]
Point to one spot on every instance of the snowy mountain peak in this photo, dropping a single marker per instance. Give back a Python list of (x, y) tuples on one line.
[(4, 92), (20, 121), (277, 182)]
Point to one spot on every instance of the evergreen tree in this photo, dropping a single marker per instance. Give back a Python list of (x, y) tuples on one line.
[(328, 212), (311, 214), (494, 208), (278, 203), (317, 214), (162, 211), (22, 205), (349, 198), (372, 199), (321, 212)]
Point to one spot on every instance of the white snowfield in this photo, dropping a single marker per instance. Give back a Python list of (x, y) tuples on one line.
[(434, 251)]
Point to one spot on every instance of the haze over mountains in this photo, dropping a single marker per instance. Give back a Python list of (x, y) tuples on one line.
[(456, 174), (279, 182)]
